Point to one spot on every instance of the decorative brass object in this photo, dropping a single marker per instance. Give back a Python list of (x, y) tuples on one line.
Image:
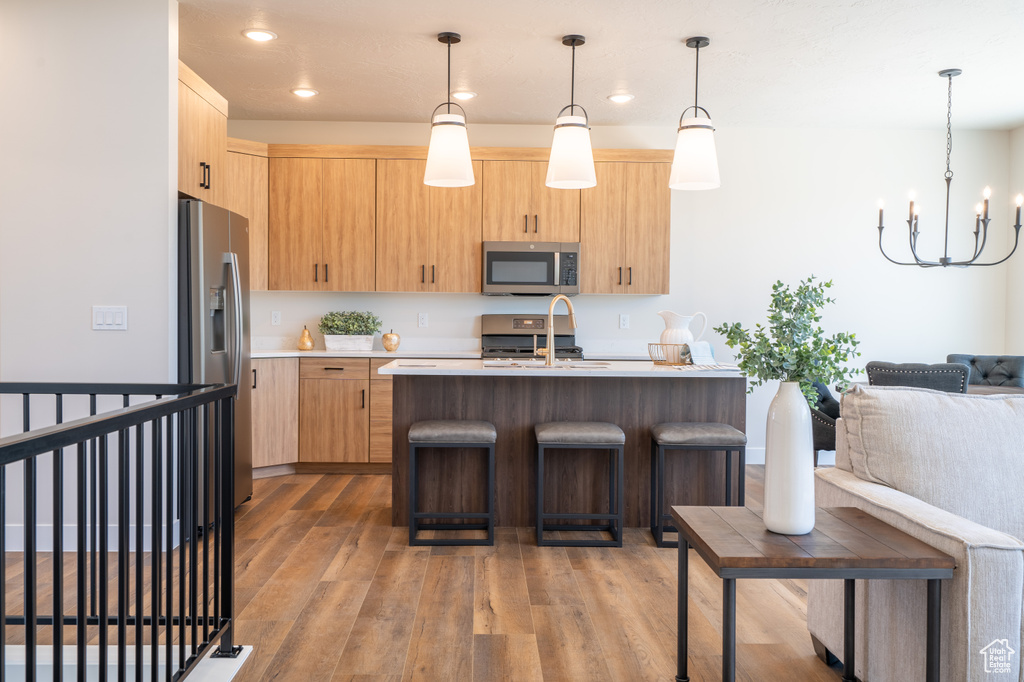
[(305, 341), (390, 341)]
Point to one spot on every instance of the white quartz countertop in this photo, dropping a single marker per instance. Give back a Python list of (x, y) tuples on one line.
[(574, 368), (363, 354)]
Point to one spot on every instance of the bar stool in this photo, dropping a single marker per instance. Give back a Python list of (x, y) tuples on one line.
[(691, 436), (453, 433), (583, 436)]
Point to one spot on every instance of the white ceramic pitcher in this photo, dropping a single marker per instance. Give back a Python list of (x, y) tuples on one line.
[(677, 327)]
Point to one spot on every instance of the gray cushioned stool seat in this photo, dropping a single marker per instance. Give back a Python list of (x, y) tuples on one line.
[(582, 433), (452, 431), (697, 433)]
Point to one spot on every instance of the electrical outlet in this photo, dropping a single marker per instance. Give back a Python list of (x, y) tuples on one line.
[(275, 318), (110, 317), (623, 321), (423, 321)]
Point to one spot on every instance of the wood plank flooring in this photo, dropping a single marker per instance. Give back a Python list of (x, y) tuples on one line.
[(328, 591)]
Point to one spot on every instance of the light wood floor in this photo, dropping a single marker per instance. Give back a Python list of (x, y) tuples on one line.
[(328, 590)]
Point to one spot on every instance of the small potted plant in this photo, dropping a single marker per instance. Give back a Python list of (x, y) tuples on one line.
[(349, 330), (794, 350)]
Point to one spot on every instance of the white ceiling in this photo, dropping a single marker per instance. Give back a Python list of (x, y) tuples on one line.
[(842, 63)]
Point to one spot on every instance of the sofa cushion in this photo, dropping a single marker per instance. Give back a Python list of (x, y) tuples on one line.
[(961, 453)]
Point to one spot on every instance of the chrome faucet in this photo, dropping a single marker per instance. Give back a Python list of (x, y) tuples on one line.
[(549, 352)]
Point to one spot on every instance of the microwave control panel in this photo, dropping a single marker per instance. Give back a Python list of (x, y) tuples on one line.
[(567, 265)]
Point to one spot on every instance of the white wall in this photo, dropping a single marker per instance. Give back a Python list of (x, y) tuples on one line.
[(1015, 269), (88, 133), (793, 202)]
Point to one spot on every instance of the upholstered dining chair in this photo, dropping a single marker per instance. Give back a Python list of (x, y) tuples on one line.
[(823, 420), (992, 370), (950, 376)]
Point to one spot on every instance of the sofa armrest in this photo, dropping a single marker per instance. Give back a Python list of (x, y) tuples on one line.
[(980, 604)]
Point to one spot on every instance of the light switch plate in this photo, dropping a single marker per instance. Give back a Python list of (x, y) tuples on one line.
[(423, 320), (110, 317), (623, 321), (275, 318)]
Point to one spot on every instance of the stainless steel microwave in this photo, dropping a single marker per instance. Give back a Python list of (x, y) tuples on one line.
[(531, 268)]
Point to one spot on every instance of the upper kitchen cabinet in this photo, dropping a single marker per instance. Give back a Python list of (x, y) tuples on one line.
[(518, 206), (625, 234), (247, 189), (202, 139), (321, 230), (428, 238)]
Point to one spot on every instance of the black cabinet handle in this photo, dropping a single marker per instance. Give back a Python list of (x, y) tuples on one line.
[(620, 275), (535, 224), (630, 275), (209, 175), (334, 369), (325, 273), (363, 395), (423, 274), (254, 377), (432, 268), (526, 224), (202, 174), (316, 272)]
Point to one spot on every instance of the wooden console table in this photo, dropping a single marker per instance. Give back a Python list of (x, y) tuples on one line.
[(846, 543)]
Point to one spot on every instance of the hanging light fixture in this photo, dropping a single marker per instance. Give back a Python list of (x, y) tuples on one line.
[(981, 219), (571, 164), (448, 160), (695, 163)]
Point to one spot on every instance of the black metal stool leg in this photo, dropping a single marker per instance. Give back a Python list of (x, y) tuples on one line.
[(743, 477), (728, 478), (540, 494), (412, 493)]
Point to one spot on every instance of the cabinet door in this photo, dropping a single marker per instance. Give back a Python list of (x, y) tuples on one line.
[(556, 212), (648, 228), (247, 195), (275, 411), (454, 221), (190, 142), (380, 410), (507, 201), (404, 248), (602, 234), (214, 130), (295, 224), (334, 422), (349, 224)]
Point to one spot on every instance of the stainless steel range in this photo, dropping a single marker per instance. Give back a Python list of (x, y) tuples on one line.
[(515, 336)]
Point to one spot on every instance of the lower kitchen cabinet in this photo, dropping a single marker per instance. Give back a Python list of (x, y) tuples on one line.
[(275, 411), (380, 412), (334, 414)]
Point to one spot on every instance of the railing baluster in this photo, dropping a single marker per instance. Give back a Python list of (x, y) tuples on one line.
[(155, 545), (31, 522), (173, 427), (205, 462), (80, 637), (93, 525), (101, 502), (217, 520), (193, 573), (58, 553), (226, 513), (139, 461), (123, 540), (183, 530)]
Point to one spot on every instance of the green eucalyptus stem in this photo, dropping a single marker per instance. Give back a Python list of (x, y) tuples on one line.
[(793, 347)]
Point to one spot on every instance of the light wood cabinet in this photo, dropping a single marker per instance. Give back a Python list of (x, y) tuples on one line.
[(334, 423), (518, 206), (275, 411), (202, 139), (428, 238), (247, 195), (322, 224), (380, 411), (625, 232)]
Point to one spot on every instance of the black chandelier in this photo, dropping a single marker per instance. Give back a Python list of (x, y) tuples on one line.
[(981, 219)]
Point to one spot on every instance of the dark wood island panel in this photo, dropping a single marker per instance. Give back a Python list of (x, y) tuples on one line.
[(451, 480)]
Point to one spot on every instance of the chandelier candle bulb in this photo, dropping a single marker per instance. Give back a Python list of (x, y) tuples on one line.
[(987, 193), (1020, 200)]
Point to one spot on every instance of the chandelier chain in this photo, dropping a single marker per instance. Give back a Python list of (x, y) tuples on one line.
[(949, 125)]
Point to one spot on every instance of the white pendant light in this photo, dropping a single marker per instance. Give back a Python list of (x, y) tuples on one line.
[(695, 163), (571, 164), (448, 161)]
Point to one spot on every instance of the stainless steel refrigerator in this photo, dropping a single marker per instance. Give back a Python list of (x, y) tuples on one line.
[(213, 315)]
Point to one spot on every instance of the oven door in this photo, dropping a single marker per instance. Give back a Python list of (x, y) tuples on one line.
[(520, 268)]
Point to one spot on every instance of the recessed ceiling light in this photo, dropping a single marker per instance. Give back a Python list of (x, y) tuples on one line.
[(259, 34), (621, 98), (464, 95), (305, 92)]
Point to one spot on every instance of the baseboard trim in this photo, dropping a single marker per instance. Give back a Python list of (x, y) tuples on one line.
[(322, 468)]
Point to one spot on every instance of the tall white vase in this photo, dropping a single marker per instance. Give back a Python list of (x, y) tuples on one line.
[(789, 463)]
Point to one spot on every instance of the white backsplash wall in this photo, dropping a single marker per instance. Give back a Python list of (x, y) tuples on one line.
[(793, 202)]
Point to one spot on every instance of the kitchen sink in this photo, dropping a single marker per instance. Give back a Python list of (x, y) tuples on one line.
[(539, 364)]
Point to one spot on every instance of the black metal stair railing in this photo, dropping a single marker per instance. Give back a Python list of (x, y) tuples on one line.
[(144, 573)]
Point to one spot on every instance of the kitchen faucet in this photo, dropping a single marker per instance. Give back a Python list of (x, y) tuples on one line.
[(549, 352)]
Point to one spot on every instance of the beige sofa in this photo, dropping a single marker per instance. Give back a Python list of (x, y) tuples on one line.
[(949, 470)]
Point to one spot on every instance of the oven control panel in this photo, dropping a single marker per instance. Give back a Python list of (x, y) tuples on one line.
[(536, 323)]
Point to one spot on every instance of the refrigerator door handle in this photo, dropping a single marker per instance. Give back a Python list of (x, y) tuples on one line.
[(231, 259)]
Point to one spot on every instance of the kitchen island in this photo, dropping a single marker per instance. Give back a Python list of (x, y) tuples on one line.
[(516, 396)]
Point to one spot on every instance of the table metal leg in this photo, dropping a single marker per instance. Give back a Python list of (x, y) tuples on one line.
[(934, 621), (682, 610), (728, 630), (849, 629)]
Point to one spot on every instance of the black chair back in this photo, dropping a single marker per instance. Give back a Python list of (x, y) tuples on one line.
[(993, 370), (950, 377)]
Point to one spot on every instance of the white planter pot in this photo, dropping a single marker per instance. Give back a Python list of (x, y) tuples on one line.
[(789, 463), (341, 342)]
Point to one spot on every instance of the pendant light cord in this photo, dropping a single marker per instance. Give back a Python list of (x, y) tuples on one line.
[(949, 125), (572, 86), (448, 95), (696, 77)]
